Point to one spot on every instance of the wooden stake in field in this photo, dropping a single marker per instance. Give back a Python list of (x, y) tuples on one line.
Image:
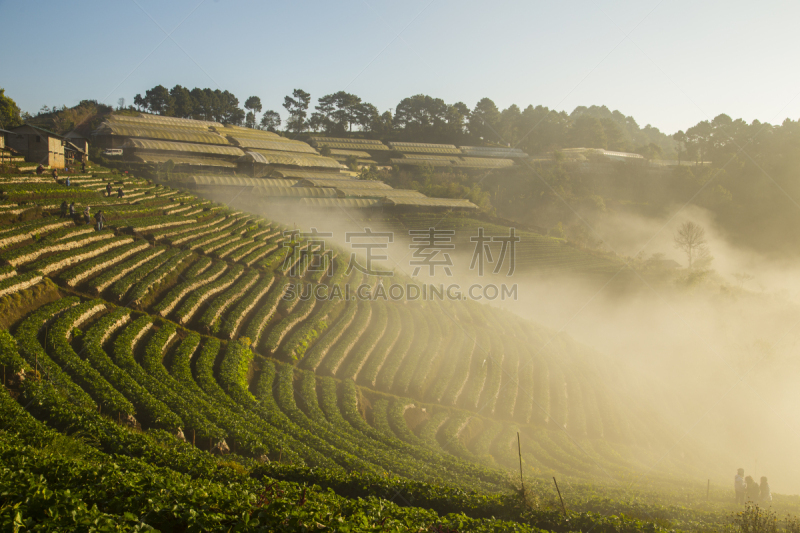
[(563, 507), (522, 481)]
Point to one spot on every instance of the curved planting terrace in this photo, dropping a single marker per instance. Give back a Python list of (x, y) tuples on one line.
[(167, 340)]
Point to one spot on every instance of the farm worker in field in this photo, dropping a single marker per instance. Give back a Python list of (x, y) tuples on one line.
[(766, 494), (120, 193), (83, 167), (55, 174), (752, 490), (72, 209), (100, 218), (40, 169), (739, 486), (86, 218), (64, 209), (108, 189), (68, 181)]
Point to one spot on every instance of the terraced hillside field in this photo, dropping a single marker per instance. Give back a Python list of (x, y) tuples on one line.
[(534, 253), (166, 340)]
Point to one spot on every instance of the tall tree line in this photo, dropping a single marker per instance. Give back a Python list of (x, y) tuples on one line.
[(204, 104), (425, 118)]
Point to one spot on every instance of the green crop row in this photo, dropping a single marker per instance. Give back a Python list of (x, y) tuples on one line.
[(143, 224), (64, 259), (282, 328), (439, 345), (192, 409), (280, 445), (176, 231), (368, 369), (193, 301), (22, 232), (27, 337), (309, 330), (143, 287), (123, 357), (315, 354), (507, 395), (79, 273), (233, 319), (269, 261), (31, 252), (494, 370), (130, 273), (244, 434), (396, 353), (19, 282), (81, 371), (113, 274), (265, 312), (338, 449), (151, 412), (425, 327), (202, 272), (348, 340), (259, 248), (231, 247), (457, 356), (215, 225), (210, 320)]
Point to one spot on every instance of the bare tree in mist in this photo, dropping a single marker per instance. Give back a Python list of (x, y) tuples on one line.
[(691, 239), (743, 277)]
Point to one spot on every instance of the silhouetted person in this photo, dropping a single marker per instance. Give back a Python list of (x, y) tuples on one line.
[(108, 189), (752, 490), (766, 495), (40, 169), (55, 175), (739, 486), (83, 167), (120, 193), (64, 209)]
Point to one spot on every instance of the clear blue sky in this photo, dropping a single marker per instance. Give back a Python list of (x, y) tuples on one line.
[(669, 63)]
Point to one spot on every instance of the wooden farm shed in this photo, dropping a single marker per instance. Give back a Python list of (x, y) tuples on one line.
[(38, 145)]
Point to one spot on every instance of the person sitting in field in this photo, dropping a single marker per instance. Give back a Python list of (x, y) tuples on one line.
[(752, 490), (739, 486), (40, 169), (766, 494)]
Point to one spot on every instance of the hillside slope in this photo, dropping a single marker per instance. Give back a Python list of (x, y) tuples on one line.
[(173, 319)]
